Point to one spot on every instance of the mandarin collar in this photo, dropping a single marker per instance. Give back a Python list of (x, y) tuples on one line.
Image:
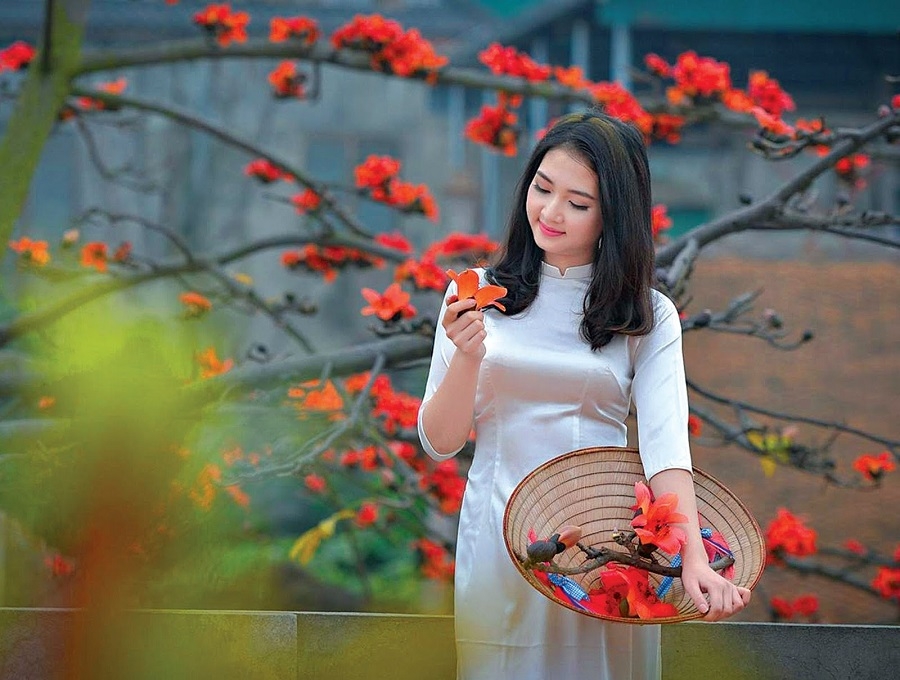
[(581, 271)]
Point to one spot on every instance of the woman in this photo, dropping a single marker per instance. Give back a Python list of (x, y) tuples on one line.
[(583, 335)]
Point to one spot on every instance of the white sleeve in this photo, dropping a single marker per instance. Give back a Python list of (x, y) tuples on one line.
[(440, 361), (660, 392)]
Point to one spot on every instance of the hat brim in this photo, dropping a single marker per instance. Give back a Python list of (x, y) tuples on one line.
[(594, 489)]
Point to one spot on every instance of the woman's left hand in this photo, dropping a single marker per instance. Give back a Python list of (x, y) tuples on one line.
[(715, 596)]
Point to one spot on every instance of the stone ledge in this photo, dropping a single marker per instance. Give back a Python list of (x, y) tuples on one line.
[(37, 644)]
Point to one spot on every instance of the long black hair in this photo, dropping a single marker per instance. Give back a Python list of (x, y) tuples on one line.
[(618, 297)]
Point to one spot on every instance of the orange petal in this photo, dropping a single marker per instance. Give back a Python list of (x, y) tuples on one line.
[(488, 295), (466, 283)]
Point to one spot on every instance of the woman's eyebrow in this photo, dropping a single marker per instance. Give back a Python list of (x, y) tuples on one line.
[(571, 191)]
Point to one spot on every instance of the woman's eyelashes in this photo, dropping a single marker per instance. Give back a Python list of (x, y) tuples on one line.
[(542, 190)]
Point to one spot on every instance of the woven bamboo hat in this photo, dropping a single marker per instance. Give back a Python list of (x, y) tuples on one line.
[(594, 488)]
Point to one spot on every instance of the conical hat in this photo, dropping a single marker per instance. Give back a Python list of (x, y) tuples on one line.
[(594, 488)]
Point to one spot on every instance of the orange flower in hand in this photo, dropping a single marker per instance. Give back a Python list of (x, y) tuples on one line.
[(467, 287)]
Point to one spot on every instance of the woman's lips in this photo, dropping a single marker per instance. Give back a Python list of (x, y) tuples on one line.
[(547, 231)]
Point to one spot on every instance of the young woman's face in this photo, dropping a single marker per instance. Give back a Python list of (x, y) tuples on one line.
[(563, 209)]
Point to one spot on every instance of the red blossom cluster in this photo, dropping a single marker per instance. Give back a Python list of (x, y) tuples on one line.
[(695, 426), (301, 29), (314, 396), (509, 61), (805, 606), (366, 515), (654, 520), (659, 220), (196, 304), (16, 57), (211, 365), (288, 81), (59, 566), (787, 534), (266, 172), (327, 260), (223, 24), (395, 240), (887, 582), (378, 175), (437, 563), (873, 467), (31, 252), (495, 126), (83, 104), (306, 201), (851, 169), (393, 50), (390, 306), (445, 482), (426, 273)]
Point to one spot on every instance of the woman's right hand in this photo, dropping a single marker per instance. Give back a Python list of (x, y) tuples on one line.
[(464, 325)]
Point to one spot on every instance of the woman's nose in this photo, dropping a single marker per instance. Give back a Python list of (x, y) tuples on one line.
[(553, 211)]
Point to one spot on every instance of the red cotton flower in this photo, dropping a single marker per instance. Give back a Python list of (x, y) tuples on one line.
[(306, 201), (391, 305), (96, 255), (16, 57), (659, 220), (425, 274), (767, 93), (211, 365), (315, 483), (223, 24), (302, 29), (367, 515), (287, 81), (873, 467), (495, 126), (695, 426), (887, 582), (31, 252), (787, 534), (396, 240), (437, 563), (654, 519), (265, 171), (804, 605), (657, 65), (468, 288), (197, 304), (376, 172), (509, 61)]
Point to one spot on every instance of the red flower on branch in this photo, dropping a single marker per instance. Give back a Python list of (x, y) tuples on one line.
[(425, 274), (404, 53), (196, 304), (437, 563), (396, 240), (767, 93), (265, 171), (887, 582), (211, 365), (695, 426), (873, 467), (495, 126), (391, 305), (16, 57), (376, 172), (31, 252), (306, 201), (855, 546), (96, 255), (302, 29), (400, 410), (802, 606), (315, 483), (788, 535), (223, 24), (509, 61), (658, 66), (458, 245), (367, 515), (659, 220), (59, 566), (287, 81)]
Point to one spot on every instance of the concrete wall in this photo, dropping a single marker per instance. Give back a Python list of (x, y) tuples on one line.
[(41, 644)]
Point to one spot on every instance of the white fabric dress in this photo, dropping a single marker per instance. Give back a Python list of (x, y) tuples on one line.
[(543, 392)]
